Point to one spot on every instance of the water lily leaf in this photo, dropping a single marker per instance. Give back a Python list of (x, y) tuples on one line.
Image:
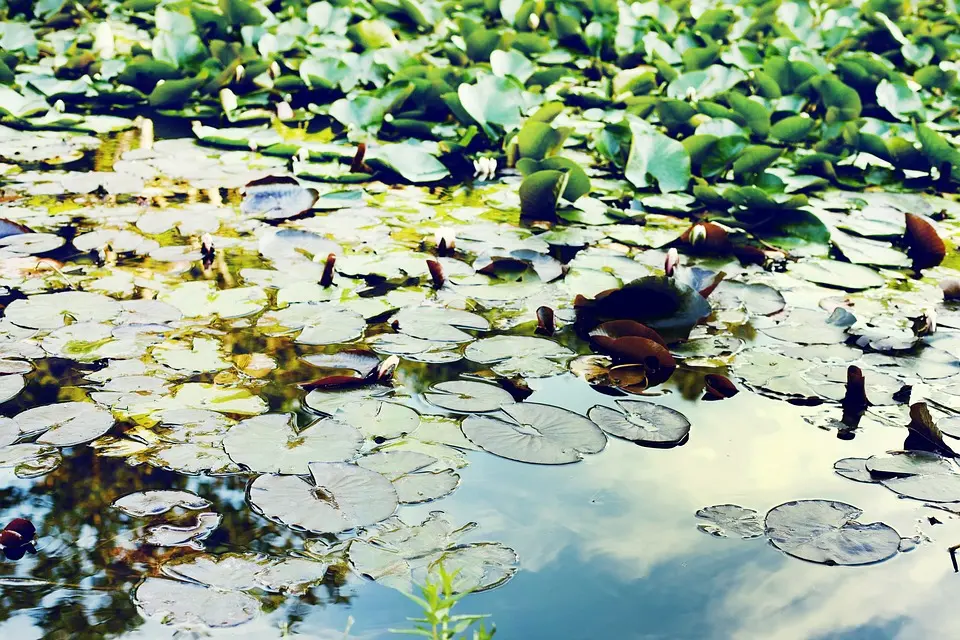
[(657, 155), (494, 100), (276, 198), (535, 433), (52, 310), (373, 34), (663, 304), (341, 497), (511, 63), (201, 299), (792, 129), (272, 444), (465, 396), (203, 356), (65, 424), (143, 504), (917, 474), (406, 470), (842, 275), (174, 94), (240, 12), (706, 83), (192, 536), (11, 386), (643, 422), (318, 323), (537, 140), (189, 604), (520, 356), (826, 532), (540, 193), (900, 100), (410, 160), (401, 556), (728, 520)]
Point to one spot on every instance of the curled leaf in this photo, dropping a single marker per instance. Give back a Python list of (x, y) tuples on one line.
[(717, 387), (926, 248)]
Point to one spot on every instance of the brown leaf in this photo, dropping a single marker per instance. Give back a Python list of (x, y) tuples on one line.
[(326, 279), (926, 248), (436, 273), (924, 434), (623, 328), (657, 362), (546, 324), (718, 387), (708, 237)]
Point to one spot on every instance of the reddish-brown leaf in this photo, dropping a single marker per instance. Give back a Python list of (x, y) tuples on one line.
[(717, 387), (926, 248), (621, 329), (546, 325), (657, 362)]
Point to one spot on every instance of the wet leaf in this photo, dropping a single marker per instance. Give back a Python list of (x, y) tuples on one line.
[(65, 424), (728, 520), (826, 532), (156, 502), (340, 497), (272, 444), (189, 604), (535, 433), (643, 422), (465, 396)]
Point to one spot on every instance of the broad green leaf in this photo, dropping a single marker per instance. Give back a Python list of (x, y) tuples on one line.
[(756, 116), (538, 140), (657, 155), (240, 12), (755, 159), (842, 102), (174, 94), (707, 83), (540, 192), (494, 100), (792, 129), (410, 160), (511, 63), (900, 100)]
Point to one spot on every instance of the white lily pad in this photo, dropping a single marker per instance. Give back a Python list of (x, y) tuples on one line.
[(52, 310), (144, 504), (535, 433), (728, 520), (643, 422), (409, 473), (192, 605), (826, 532), (523, 356), (272, 444), (466, 396), (65, 424), (192, 536), (341, 497), (317, 323)]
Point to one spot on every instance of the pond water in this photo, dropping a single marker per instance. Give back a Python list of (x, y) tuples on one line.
[(609, 547)]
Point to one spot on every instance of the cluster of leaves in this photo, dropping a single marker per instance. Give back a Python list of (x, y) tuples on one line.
[(437, 599)]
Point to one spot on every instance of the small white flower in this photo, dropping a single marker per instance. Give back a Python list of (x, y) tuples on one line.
[(303, 154), (238, 73), (59, 106), (284, 111), (485, 168), (533, 21)]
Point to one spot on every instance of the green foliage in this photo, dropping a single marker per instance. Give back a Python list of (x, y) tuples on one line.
[(437, 599)]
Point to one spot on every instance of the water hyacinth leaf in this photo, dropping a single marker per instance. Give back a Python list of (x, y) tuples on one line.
[(277, 198), (826, 532), (65, 424), (535, 433), (643, 422), (144, 504), (187, 604), (272, 444), (341, 497), (728, 520), (465, 396)]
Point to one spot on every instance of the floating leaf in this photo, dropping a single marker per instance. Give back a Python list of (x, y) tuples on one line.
[(730, 520), (643, 422), (189, 604), (826, 532), (464, 396), (272, 444), (520, 355), (341, 497), (277, 198), (535, 433), (65, 424), (153, 503)]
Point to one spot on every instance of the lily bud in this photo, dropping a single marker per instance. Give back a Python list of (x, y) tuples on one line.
[(103, 45), (698, 235), (671, 262), (533, 21), (284, 111), (146, 134), (228, 99), (238, 73)]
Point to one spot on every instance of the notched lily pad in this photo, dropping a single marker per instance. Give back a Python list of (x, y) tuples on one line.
[(465, 396), (730, 520), (277, 198), (272, 444), (143, 504), (643, 422), (535, 433), (826, 532)]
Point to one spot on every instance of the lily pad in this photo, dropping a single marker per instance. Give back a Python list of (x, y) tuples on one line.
[(730, 520), (277, 198), (643, 422), (187, 604), (143, 504), (271, 443), (65, 424), (826, 532), (340, 497), (414, 482), (465, 396), (535, 433), (520, 355)]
